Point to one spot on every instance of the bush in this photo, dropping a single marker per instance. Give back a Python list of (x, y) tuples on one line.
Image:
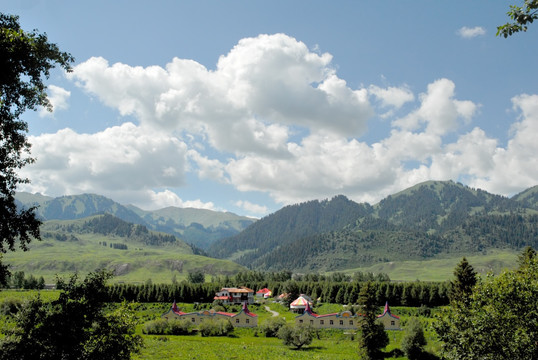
[(296, 336), (156, 327), (270, 327), (414, 341), (168, 327), (179, 327), (220, 327), (10, 306)]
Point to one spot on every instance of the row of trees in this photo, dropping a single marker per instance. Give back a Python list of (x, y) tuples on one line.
[(19, 280), (397, 294)]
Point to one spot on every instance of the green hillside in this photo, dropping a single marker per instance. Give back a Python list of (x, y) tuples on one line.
[(133, 252), (432, 220), (286, 226), (528, 198)]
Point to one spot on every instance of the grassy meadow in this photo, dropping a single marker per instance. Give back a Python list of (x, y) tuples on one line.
[(441, 269), (137, 264), (251, 344)]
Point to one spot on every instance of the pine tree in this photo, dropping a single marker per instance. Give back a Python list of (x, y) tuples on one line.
[(372, 337), (465, 280)]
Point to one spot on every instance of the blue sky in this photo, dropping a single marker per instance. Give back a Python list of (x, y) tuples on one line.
[(247, 106)]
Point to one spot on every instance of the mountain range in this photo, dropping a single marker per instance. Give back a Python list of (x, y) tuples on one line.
[(431, 220), (199, 227)]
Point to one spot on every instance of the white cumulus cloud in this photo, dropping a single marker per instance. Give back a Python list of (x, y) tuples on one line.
[(274, 117), (468, 32)]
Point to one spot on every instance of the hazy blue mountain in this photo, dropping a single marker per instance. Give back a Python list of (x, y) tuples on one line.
[(197, 226)]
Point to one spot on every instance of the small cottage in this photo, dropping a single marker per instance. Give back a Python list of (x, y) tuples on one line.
[(264, 293)]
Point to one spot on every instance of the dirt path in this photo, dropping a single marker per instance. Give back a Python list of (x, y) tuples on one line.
[(275, 314)]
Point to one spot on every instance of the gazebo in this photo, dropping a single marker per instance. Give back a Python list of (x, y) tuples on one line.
[(300, 304)]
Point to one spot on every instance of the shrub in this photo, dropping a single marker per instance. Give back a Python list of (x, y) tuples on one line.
[(296, 336), (220, 327), (155, 327), (270, 327), (179, 327), (414, 341)]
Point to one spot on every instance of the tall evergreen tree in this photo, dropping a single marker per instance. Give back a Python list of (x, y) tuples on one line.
[(465, 279), (372, 336)]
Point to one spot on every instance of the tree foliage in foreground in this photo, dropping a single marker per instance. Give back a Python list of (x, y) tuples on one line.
[(521, 16), (25, 58), (76, 326), (414, 340), (499, 320)]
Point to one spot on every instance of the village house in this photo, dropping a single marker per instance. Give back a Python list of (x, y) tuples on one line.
[(234, 296), (264, 293), (345, 319), (244, 318), (391, 322)]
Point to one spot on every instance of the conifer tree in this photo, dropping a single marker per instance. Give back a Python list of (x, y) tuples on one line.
[(372, 336), (465, 279)]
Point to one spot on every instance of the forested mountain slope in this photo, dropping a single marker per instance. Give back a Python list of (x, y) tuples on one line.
[(289, 224), (435, 218)]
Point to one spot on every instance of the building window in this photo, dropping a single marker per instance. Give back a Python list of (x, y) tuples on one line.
[(237, 321), (350, 322), (311, 322), (247, 321), (321, 322), (392, 323), (300, 321), (193, 320), (331, 322), (341, 322)]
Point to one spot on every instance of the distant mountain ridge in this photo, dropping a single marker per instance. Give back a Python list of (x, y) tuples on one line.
[(196, 226), (102, 241), (424, 221)]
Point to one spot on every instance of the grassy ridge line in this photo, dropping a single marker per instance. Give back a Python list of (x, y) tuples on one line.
[(442, 269)]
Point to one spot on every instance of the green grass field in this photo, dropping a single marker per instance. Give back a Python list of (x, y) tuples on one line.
[(139, 263), (442, 269)]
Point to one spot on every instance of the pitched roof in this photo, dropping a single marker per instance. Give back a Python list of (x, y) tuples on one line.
[(300, 302), (386, 311)]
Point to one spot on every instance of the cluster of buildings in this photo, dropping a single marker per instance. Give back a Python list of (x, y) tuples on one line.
[(244, 318), (303, 305)]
